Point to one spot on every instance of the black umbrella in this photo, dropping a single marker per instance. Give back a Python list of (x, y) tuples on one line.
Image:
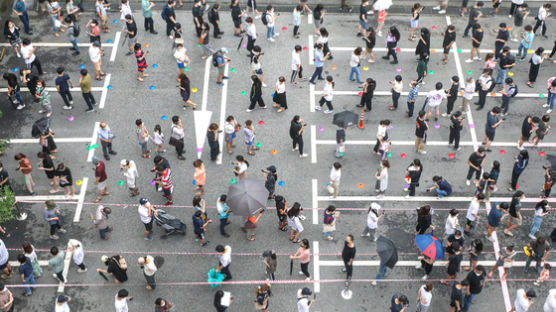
[(291, 267), (387, 251), (240, 42), (247, 197), (345, 119), (41, 127)]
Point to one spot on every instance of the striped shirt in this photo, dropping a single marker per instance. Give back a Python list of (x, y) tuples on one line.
[(167, 179), (413, 93)]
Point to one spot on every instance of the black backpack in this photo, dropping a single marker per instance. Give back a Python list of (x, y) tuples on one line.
[(215, 57), (76, 30), (211, 16), (263, 19), (515, 90)]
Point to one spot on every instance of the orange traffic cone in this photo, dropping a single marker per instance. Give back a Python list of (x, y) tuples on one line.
[(361, 125)]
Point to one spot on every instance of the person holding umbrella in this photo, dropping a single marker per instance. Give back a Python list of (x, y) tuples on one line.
[(388, 255), (304, 256)]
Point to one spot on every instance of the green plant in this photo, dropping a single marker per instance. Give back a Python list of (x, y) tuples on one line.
[(3, 145), (7, 205)]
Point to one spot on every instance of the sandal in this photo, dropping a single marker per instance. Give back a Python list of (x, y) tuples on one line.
[(97, 199), (140, 79), (296, 241)]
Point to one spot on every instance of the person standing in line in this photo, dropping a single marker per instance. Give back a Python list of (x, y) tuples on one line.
[(100, 178), (412, 176), (335, 175), (541, 211), (185, 89), (223, 214), (212, 138), (528, 36), (520, 163), (474, 15), (515, 219), (26, 167), (381, 177), (536, 60), (329, 222), (21, 11), (381, 135), (475, 162), (129, 170), (527, 128), (368, 92), (141, 61), (543, 275), (169, 16), (100, 11), (424, 297), (348, 254), (56, 263), (53, 216), (130, 33), (539, 250), (224, 260), (355, 62), (434, 99), (28, 54), (490, 128), (320, 58), (550, 303), (297, 14), (423, 44), (476, 39), (147, 265), (507, 62), (251, 35), (214, 18), (297, 69), (363, 24), (6, 299), (237, 14), (220, 60), (100, 221), (197, 12), (399, 303), (270, 17), (448, 41), (270, 263), (397, 86), (143, 137), (249, 138), (486, 84), (147, 6), (106, 137), (476, 280), (473, 213), (544, 12), (279, 97), (452, 223), (200, 176), (256, 63), (77, 253), (370, 42), (392, 40), (520, 14), (146, 211), (45, 164), (62, 304), (523, 300), (508, 92), (456, 296), (498, 212), (121, 299), (176, 137), (505, 260), (454, 264), (162, 305), (421, 129), (455, 129), (422, 68), (165, 182), (318, 17), (26, 272), (412, 97), (304, 256), (415, 13), (372, 222), (452, 95), (424, 220), (65, 179), (199, 227), (95, 55), (63, 83), (296, 134), (303, 301), (73, 32), (327, 94), (85, 85), (14, 89)]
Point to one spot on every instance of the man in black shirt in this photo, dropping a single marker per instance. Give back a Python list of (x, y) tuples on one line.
[(475, 162), (454, 241), (214, 19), (363, 26), (296, 134), (197, 12), (170, 19), (14, 89), (529, 124), (456, 297), (131, 33), (474, 15), (4, 178), (348, 254), (455, 129), (476, 280), (501, 39), (507, 61), (520, 15), (449, 40), (421, 128), (454, 262), (452, 95)]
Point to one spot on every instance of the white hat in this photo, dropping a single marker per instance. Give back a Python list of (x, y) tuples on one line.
[(375, 206), (123, 162)]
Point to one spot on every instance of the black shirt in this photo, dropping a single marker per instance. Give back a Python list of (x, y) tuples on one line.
[(280, 208), (423, 223), (452, 239), (3, 176), (453, 263), (478, 35), (526, 127), (131, 27), (113, 268), (453, 91), (294, 130), (370, 42), (66, 174), (394, 306), (504, 35), (348, 253), (518, 17), (448, 38), (317, 14), (476, 159), (420, 128), (455, 124), (456, 295), (515, 207), (236, 11), (506, 60), (12, 81), (197, 12), (340, 135), (473, 13), (363, 12), (164, 163), (475, 282), (169, 13)]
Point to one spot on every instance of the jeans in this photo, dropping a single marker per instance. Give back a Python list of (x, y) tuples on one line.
[(327, 234), (270, 32), (482, 98), (295, 30), (381, 271), (89, 99), (317, 73), (66, 96), (505, 104), (395, 98), (19, 97), (471, 171), (25, 20), (102, 232), (75, 46), (440, 193), (355, 70), (538, 24), (410, 108), (223, 223), (144, 147), (30, 280), (538, 259), (149, 25), (536, 225), (551, 98), (466, 31), (523, 49), (54, 28), (106, 147), (467, 301), (501, 76), (150, 280)]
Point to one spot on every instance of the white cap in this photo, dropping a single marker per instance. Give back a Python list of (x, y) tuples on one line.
[(123, 162), (375, 206)]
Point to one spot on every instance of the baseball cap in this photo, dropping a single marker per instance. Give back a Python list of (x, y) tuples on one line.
[(531, 293), (95, 160), (62, 298), (306, 291), (123, 162), (143, 200), (223, 50)]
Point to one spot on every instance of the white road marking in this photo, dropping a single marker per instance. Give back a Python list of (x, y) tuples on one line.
[(313, 144), (310, 18), (93, 141), (53, 89), (312, 97), (58, 140), (432, 143), (80, 199), (316, 266), (59, 44), (104, 91), (426, 199), (67, 261), (223, 104), (496, 247), (204, 101), (411, 263), (43, 198), (433, 50), (315, 201), (311, 52), (115, 48), (388, 93), (41, 263)]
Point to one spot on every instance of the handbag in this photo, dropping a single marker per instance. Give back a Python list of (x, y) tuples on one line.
[(329, 188), (328, 228), (527, 251)]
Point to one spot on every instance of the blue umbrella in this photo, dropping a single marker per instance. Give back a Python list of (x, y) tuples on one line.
[(215, 278), (430, 246)]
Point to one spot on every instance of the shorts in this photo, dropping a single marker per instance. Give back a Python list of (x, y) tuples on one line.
[(167, 192), (317, 23), (149, 226), (526, 137), (221, 70), (250, 143), (101, 185), (435, 107), (469, 222), (496, 3), (50, 174), (514, 220), (132, 41), (230, 136), (181, 65), (97, 64), (476, 45), (473, 257), (3, 265), (363, 24), (15, 42), (490, 135), (414, 23), (237, 23), (508, 264), (447, 50), (200, 235), (259, 71)]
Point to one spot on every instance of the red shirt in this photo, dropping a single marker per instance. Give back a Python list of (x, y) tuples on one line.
[(167, 179), (100, 172)]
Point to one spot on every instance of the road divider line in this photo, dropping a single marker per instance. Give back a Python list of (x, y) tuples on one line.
[(104, 91), (204, 101), (437, 50), (315, 201), (405, 93), (80, 199), (316, 266), (223, 104), (92, 141), (412, 263), (115, 48), (434, 143)]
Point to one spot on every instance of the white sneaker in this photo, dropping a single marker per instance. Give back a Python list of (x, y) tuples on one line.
[(42, 111), (257, 16), (318, 108), (373, 283), (248, 110), (545, 105), (82, 270), (424, 278), (423, 152), (468, 182), (303, 155), (264, 85), (379, 33), (469, 61), (328, 111), (271, 39), (476, 58), (18, 54), (418, 266), (436, 8), (532, 236), (55, 276), (301, 273), (368, 235), (514, 40), (67, 107), (510, 16), (276, 35), (549, 111), (308, 279), (444, 115), (442, 12), (295, 149), (171, 37), (20, 107)]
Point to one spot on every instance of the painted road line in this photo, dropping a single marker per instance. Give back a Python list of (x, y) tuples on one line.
[(388, 93), (92, 141), (315, 201), (312, 97), (496, 247), (432, 143), (459, 69), (316, 266), (409, 263), (116, 44), (80, 199), (53, 89), (58, 140), (104, 91), (41, 263), (223, 104), (426, 199), (313, 144), (310, 18), (437, 50), (67, 261), (43, 198), (311, 52), (204, 102), (59, 44)]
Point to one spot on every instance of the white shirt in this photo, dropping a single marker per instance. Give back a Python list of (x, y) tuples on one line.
[(126, 9), (131, 172), (354, 61), (226, 257), (4, 255), (451, 224), (486, 81), (469, 89), (296, 60), (252, 31), (94, 53), (179, 55), (270, 19), (229, 127), (143, 213), (242, 167), (62, 308), (149, 268), (327, 91), (28, 55), (473, 210), (426, 296), (77, 253), (120, 305), (398, 86), (335, 175), (521, 303), (302, 304), (520, 2), (280, 87), (435, 97), (550, 303), (372, 220), (383, 178), (158, 138), (542, 13), (381, 131)]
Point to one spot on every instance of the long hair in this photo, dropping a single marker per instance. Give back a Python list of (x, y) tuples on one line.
[(395, 32)]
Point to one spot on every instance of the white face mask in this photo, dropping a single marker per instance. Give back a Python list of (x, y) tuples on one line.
[(11, 25)]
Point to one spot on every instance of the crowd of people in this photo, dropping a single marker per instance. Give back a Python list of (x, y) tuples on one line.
[(501, 62)]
